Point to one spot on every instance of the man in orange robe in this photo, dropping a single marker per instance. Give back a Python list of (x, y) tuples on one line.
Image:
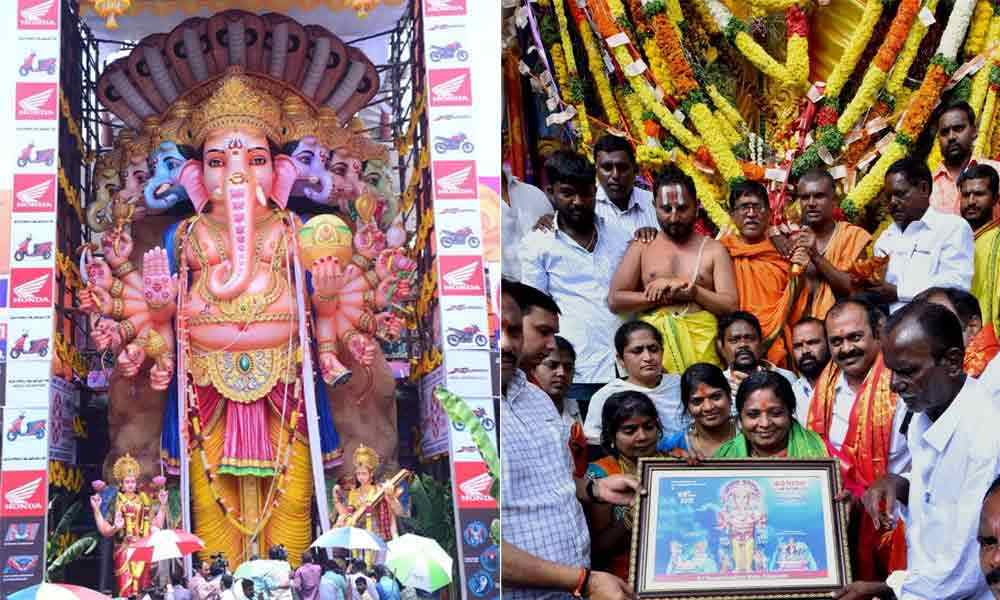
[(764, 281), (833, 245), (859, 417)]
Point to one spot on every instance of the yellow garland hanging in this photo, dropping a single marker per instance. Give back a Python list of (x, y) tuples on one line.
[(69, 271), (674, 11), (849, 59), (706, 124), (659, 67), (905, 60), (981, 80), (759, 58), (559, 66), (770, 6), (872, 182), (73, 128), (632, 108), (986, 122), (732, 115), (69, 355), (708, 194), (567, 47), (994, 149), (975, 40), (596, 64), (732, 136)]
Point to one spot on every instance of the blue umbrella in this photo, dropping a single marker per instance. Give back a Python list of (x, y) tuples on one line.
[(351, 538)]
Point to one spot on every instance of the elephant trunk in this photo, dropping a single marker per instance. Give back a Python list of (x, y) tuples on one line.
[(239, 194), (321, 195), (99, 212)]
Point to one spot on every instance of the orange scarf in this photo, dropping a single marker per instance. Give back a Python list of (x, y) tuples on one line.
[(767, 290), (846, 244), (981, 350), (864, 458)]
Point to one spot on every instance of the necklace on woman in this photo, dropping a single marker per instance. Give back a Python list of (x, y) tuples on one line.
[(697, 435)]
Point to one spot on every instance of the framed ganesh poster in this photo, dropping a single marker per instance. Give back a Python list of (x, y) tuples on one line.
[(739, 529)]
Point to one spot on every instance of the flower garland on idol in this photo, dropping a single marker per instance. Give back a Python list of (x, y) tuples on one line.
[(918, 112), (596, 65), (795, 71), (833, 128), (574, 89), (981, 80)]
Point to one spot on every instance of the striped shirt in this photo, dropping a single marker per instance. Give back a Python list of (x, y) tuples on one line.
[(539, 509)]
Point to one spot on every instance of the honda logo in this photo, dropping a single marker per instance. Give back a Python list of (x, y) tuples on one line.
[(23, 493), (450, 87), (462, 275), (31, 288), (37, 14), (34, 193), (455, 180), (36, 101), (444, 8), (474, 485)]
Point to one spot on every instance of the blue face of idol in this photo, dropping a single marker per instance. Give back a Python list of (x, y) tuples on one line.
[(163, 190)]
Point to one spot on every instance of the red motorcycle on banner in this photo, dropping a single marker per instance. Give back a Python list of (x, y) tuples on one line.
[(41, 156), (461, 237), (43, 249), (35, 429), (466, 335), (47, 65), (39, 346)]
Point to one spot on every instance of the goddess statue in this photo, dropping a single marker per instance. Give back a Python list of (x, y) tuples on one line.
[(133, 519), (367, 504)]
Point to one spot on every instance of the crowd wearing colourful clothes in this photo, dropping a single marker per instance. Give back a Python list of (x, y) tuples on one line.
[(633, 327)]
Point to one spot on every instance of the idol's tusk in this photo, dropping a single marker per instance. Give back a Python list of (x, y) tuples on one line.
[(261, 198)]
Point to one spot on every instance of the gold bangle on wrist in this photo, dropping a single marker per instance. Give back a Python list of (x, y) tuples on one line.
[(117, 309), (327, 347), (117, 288), (127, 331), (123, 269)]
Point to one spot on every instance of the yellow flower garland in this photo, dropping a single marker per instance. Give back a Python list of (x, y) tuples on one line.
[(559, 66), (770, 6), (659, 67), (709, 128), (708, 194), (797, 60), (863, 99), (732, 115), (980, 82), (872, 182), (567, 47), (674, 12), (975, 40), (596, 65), (732, 136), (650, 103), (986, 122), (633, 111), (849, 59), (905, 60), (759, 58)]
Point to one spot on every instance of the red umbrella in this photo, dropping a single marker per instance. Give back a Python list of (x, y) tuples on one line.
[(57, 591), (165, 544)]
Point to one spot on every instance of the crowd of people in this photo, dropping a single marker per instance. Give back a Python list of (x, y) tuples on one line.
[(631, 328), (317, 578)]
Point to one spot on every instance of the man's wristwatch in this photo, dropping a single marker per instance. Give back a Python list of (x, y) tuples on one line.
[(590, 493)]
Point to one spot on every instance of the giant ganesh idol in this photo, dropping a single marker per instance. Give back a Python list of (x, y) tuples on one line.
[(244, 297)]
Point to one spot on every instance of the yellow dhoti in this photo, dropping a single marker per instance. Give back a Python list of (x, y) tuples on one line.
[(688, 337), (289, 523)]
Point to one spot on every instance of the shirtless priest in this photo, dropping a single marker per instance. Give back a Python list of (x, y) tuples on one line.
[(680, 281)]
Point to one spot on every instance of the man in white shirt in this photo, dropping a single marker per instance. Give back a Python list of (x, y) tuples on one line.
[(545, 550), (955, 449), (574, 264), (925, 247), (523, 204), (811, 354), (740, 345)]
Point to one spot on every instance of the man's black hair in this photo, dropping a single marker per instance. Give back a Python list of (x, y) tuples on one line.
[(966, 305), (872, 313), (573, 168), (564, 345), (726, 321), (528, 297), (962, 105), (748, 187), (981, 171), (914, 170), (817, 173), (612, 143)]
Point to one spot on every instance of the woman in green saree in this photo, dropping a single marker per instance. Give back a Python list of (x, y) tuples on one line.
[(765, 403)]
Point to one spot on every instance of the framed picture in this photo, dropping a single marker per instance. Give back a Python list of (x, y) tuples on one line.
[(749, 529)]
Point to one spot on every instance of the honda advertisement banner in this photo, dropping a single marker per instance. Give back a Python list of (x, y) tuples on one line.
[(29, 175), (463, 99)]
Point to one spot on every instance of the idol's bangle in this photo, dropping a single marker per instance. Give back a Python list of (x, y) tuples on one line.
[(117, 309), (327, 347), (123, 269), (127, 331), (117, 288)]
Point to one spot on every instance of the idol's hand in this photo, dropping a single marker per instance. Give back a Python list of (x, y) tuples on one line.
[(116, 246), (99, 273), (159, 286), (161, 373), (362, 349), (130, 359)]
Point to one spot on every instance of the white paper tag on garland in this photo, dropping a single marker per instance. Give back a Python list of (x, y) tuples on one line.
[(926, 17), (618, 39), (560, 117), (636, 68)]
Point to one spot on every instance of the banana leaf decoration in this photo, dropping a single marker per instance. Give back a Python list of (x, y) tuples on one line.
[(80, 547), (458, 410)]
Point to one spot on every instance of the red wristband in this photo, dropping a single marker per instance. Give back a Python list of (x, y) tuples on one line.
[(581, 583)]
